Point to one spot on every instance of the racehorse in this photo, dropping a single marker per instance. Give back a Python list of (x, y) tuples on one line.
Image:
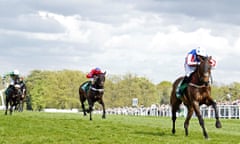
[(21, 97), (198, 92), (94, 94), (12, 97)]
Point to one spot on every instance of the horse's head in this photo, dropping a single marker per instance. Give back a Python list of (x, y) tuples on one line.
[(204, 69), (99, 80)]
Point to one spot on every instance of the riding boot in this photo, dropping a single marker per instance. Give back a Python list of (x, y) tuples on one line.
[(182, 86), (184, 83)]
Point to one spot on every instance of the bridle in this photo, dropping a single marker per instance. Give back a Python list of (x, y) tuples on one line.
[(98, 85), (202, 75)]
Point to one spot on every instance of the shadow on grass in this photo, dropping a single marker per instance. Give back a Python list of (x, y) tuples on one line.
[(150, 133)]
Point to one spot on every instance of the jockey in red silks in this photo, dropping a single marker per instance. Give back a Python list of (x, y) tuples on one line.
[(191, 61), (94, 72), (92, 76)]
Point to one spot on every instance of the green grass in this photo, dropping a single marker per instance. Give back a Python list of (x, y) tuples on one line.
[(60, 128)]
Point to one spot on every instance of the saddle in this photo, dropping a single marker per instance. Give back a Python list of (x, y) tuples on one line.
[(85, 87)]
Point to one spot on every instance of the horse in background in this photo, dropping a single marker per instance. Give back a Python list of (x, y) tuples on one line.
[(13, 94), (22, 97), (93, 94), (198, 92)]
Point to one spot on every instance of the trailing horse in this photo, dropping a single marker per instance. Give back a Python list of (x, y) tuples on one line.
[(13, 94), (198, 92), (93, 94), (22, 97)]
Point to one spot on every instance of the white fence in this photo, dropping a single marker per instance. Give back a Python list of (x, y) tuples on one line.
[(225, 111), (2, 104)]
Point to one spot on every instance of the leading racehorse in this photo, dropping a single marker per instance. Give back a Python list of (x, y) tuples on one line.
[(198, 92), (93, 94)]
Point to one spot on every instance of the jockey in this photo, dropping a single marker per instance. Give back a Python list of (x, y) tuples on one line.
[(93, 73), (14, 75), (191, 61), (92, 76)]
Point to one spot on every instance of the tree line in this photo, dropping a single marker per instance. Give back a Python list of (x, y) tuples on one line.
[(59, 89)]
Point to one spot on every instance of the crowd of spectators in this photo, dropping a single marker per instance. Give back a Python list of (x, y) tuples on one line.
[(165, 110)]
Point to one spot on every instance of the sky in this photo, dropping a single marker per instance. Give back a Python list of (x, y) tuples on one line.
[(147, 38)]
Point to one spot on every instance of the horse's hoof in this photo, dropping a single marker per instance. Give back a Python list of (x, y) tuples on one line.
[(218, 125), (206, 137), (173, 131)]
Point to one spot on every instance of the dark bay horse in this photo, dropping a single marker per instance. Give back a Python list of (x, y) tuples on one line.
[(198, 92), (94, 94), (13, 94), (22, 96)]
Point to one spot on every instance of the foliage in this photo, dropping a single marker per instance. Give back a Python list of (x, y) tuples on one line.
[(59, 89), (63, 128), (164, 90)]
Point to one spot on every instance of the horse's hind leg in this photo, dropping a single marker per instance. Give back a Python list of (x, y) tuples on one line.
[(175, 108), (82, 100), (83, 108), (174, 117)]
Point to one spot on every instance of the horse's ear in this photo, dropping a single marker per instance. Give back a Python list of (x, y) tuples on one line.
[(105, 73)]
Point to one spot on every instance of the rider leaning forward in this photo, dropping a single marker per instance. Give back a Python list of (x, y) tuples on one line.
[(92, 76), (192, 60), (15, 79)]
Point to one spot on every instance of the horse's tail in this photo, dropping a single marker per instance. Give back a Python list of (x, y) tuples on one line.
[(174, 101)]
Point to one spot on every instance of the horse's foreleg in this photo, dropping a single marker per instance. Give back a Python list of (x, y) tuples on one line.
[(218, 123), (201, 121), (90, 103), (11, 107), (189, 116), (103, 106), (6, 107), (21, 106)]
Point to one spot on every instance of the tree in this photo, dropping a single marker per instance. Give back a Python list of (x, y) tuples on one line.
[(164, 91)]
